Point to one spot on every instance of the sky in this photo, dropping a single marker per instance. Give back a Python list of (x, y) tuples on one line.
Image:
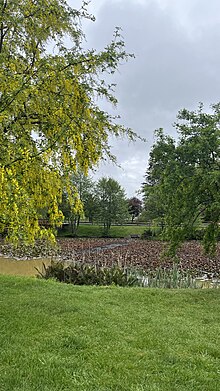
[(177, 65)]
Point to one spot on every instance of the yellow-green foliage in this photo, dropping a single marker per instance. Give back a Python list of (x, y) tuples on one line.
[(50, 123)]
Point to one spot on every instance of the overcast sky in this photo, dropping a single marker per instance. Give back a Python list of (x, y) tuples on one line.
[(176, 45)]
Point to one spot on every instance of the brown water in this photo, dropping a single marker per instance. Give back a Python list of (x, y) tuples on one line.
[(22, 267), (11, 266)]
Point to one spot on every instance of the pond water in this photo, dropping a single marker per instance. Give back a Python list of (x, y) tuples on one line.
[(22, 267), (11, 266)]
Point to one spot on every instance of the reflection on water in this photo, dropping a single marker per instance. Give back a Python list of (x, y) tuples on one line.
[(22, 267)]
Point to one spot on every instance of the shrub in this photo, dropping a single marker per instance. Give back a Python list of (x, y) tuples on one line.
[(195, 234), (147, 234), (79, 273), (151, 233), (198, 234)]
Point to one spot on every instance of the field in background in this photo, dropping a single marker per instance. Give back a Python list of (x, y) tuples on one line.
[(60, 337), (116, 231)]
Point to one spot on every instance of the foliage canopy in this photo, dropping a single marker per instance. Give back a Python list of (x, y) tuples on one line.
[(183, 177), (50, 122), (86, 193), (111, 203), (134, 207)]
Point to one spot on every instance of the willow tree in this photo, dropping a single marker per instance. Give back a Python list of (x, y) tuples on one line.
[(50, 122)]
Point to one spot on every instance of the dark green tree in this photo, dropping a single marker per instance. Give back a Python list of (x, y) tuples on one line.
[(111, 203), (162, 151), (84, 187), (183, 177)]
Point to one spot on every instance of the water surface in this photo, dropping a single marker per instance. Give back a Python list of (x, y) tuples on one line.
[(22, 267)]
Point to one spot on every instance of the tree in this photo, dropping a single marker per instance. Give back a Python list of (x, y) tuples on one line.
[(85, 192), (153, 208), (90, 205), (134, 207), (183, 177), (50, 122), (111, 203), (162, 150)]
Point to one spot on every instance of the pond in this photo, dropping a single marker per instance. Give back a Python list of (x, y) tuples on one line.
[(27, 267), (11, 266)]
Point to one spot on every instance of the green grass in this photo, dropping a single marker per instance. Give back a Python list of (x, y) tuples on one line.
[(87, 230), (57, 337)]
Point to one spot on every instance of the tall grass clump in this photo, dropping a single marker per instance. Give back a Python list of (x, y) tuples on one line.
[(80, 273), (174, 278)]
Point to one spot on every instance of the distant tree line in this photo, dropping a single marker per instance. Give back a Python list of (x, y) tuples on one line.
[(102, 202)]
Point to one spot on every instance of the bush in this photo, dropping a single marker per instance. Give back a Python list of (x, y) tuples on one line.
[(195, 234), (151, 233), (147, 234), (78, 273), (198, 234)]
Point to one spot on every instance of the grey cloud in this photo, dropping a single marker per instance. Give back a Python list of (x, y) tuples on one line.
[(177, 64)]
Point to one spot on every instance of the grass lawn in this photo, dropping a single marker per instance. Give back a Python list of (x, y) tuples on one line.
[(116, 231), (57, 337)]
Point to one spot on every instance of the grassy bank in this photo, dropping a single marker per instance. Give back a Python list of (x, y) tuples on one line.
[(96, 231), (61, 337)]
